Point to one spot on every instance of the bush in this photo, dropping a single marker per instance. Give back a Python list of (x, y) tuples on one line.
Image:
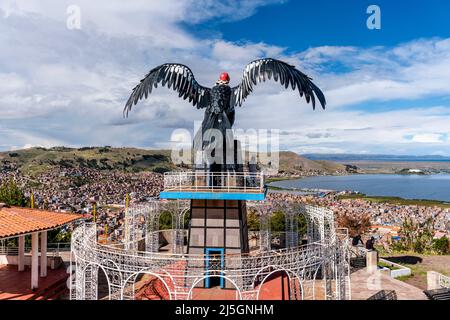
[(161, 170), (12, 195), (441, 245)]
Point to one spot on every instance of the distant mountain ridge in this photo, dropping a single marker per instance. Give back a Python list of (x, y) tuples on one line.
[(375, 157), (36, 160)]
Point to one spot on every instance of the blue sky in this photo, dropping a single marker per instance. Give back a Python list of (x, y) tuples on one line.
[(299, 25), (387, 89)]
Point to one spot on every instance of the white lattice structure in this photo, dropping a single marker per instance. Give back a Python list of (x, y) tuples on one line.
[(444, 281), (319, 269)]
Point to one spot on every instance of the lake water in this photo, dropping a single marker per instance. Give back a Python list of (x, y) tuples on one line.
[(431, 187)]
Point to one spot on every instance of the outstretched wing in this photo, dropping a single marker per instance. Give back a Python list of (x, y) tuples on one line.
[(176, 76), (258, 70)]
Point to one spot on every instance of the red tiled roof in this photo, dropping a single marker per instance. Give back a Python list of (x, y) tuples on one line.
[(396, 228), (15, 221)]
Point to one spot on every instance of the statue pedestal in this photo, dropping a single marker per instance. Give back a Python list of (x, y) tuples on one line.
[(217, 227), (218, 224)]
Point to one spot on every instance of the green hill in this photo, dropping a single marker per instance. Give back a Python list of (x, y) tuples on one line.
[(36, 160)]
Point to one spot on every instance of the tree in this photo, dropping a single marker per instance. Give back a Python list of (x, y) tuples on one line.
[(12, 195), (414, 236), (59, 235), (355, 225), (277, 222), (302, 225), (165, 221), (441, 245), (253, 222)]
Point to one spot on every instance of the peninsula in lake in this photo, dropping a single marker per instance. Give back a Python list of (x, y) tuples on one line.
[(378, 163)]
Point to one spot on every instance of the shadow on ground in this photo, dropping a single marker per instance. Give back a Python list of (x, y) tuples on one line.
[(405, 259)]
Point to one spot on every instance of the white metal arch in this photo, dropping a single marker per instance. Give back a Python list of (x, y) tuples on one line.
[(288, 272), (314, 279), (90, 264), (182, 270), (151, 270), (275, 267), (197, 281), (115, 269)]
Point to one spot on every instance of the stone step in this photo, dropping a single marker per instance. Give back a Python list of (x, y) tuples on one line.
[(52, 292)]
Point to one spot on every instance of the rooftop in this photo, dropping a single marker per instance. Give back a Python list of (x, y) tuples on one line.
[(15, 221)]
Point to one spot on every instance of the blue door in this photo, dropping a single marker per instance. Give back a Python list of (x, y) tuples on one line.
[(214, 261)]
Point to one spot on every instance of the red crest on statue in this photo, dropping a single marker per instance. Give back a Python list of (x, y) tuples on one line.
[(224, 76)]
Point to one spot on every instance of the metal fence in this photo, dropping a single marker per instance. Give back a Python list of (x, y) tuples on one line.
[(444, 281), (214, 181), (53, 249), (318, 269)]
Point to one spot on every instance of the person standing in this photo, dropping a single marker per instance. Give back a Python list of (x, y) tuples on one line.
[(356, 240)]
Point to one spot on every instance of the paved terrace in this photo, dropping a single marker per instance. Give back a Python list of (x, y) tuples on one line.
[(365, 284), (15, 285)]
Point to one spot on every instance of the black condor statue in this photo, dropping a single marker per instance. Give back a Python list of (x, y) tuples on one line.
[(219, 101)]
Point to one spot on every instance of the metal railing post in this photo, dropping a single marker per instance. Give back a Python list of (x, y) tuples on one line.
[(213, 181), (261, 178)]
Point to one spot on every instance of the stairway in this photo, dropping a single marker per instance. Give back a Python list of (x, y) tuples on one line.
[(438, 294), (54, 292), (357, 263)]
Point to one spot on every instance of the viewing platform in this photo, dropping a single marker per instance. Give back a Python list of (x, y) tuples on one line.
[(214, 185)]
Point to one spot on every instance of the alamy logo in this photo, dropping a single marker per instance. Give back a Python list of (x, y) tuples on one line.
[(234, 146), (73, 21), (374, 20)]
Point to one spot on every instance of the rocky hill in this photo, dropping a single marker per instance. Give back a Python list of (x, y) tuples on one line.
[(292, 164), (36, 160)]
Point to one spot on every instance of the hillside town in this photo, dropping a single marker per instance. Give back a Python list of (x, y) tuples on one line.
[(380, 213), (77, 189)]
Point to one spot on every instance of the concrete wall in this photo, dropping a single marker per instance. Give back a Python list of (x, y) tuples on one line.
[(437, 280), (402, 271)]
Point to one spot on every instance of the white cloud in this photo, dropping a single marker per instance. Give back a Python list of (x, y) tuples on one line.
[(409, 71), (428, 138), (157, 19), (60, 86)]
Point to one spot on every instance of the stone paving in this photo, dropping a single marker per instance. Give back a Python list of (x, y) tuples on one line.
[(15, 285), (365, 284)]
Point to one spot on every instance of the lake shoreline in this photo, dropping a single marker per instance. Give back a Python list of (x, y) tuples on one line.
[(414, 187)]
